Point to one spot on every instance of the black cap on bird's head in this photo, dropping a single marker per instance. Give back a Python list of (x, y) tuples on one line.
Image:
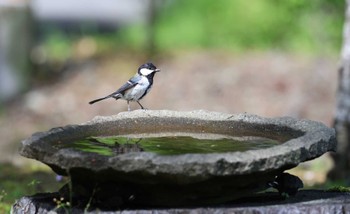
[(147, 68)]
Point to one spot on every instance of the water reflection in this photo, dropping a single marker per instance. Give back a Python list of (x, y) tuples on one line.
[(169, 145)]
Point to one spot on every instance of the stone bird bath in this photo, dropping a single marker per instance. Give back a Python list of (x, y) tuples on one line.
[(135, 176)]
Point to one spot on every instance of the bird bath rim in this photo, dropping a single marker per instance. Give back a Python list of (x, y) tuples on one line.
[(306, 140)]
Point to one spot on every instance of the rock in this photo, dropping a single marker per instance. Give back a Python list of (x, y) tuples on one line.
[(39, 203), (144, 178)]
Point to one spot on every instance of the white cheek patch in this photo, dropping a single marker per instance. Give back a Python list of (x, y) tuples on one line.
[(145, 71)]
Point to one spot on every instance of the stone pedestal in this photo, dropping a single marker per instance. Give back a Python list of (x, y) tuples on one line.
[(306, 201), (148, 179)]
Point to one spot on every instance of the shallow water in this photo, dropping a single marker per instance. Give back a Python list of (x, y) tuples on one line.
[(169, 144)]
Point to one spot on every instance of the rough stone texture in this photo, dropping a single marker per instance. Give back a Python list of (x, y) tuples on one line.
[(148, 178), (306, 201)]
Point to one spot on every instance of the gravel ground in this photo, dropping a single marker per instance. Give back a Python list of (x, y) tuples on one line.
[(268, 84)]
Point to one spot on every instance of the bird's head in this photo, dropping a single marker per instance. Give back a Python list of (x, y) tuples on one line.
[(147, 69)]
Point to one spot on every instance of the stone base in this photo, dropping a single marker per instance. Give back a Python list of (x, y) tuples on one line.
[(306, 201)]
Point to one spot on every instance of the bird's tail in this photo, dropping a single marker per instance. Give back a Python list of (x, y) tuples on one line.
[(99, 99)]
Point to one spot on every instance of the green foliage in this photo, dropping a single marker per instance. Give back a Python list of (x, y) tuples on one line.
[(16, 183), (58, 46), (62, 204), (240, 24), (4, 207), (339, 189), (294, 25), (234, 25)]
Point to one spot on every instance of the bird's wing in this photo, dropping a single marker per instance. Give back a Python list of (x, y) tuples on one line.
[(120, 92), (129, 84)]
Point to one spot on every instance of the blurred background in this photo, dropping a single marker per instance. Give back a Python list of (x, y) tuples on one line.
[(268, 57)]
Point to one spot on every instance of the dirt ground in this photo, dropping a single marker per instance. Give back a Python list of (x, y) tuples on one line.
[(268, 84)]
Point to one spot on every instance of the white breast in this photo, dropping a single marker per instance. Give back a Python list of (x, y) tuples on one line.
[(137, 92)]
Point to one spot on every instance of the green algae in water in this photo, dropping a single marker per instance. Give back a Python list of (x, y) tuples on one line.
[(170, 145), (87, 145)]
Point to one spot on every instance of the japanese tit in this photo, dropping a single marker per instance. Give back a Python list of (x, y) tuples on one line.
[(136, 87)]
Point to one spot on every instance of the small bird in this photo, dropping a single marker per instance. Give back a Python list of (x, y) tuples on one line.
[(136, 87)]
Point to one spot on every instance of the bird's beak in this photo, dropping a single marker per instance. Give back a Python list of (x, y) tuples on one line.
[(157, 70)]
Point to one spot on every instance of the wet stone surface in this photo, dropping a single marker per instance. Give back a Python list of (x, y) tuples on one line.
[(135, 176)]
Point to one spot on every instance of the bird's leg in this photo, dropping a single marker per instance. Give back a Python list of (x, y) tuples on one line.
[(128, 105), (140, 105)]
